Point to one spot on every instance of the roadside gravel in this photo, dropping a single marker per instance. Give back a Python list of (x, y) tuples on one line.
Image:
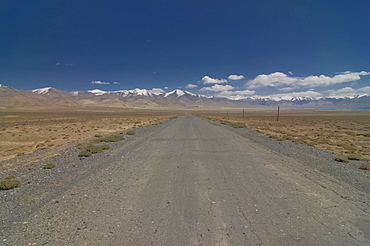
[(318, 159)]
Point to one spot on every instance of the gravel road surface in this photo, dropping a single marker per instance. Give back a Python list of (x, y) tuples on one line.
[(189, 181)]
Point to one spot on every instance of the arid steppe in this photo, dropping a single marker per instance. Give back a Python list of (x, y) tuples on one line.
[(26, 132), (345, 132)]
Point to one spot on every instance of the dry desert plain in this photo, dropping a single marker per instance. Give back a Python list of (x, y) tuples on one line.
[(27, 132), (345, 132)]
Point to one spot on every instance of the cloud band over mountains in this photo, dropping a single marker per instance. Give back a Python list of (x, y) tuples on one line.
[(279, 84), (287, 83)]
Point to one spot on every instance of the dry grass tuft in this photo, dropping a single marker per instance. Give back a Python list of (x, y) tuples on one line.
[(354, 157), (95, 141), (341, 159), (233, 124), (104, 146), (49, 166), (94, 149), (9, 183), (364, 167), (80, 146), (130, 133), (113, 138), (84, 153)]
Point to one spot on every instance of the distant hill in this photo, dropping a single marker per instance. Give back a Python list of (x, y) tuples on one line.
[(147, 99)]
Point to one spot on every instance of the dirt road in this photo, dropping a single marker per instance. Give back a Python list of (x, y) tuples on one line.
[(185, 182)]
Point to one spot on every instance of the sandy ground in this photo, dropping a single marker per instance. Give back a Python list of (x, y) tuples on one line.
[(26, 132)]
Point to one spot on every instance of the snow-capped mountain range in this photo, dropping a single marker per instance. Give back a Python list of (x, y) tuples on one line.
[(143, 98), (179, 93)]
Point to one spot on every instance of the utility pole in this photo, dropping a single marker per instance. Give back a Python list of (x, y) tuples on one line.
[(278, 113)]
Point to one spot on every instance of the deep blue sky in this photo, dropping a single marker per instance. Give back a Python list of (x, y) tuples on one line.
[(148, 44)]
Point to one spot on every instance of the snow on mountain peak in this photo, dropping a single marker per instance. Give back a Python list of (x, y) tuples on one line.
[(42, 90), (97, 92), (180, 93), (177, 92), (125, 93), (74, 93), (141, 92)]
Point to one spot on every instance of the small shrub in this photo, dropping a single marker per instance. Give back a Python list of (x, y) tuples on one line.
[(94, 149), (8, 184), (130, 133), (49, 166), (98, 136), (233, 124), (104, 146), (9, 176), (364, 167), (341, 159), (95, 141), (113, 138), (84, 153), (354, 157), (80, 146)]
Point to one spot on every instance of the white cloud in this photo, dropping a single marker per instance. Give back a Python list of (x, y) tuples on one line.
[(157, 91), (97, 82), (208, 80), (166, 88), (291, 95), (236, 95), (218, 88), (343, 92), (286, 89), (349, 92), (276, 79), (236, 77), (309, 93), (365, 90), (191, 86), (116, 83), (279, 79)]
